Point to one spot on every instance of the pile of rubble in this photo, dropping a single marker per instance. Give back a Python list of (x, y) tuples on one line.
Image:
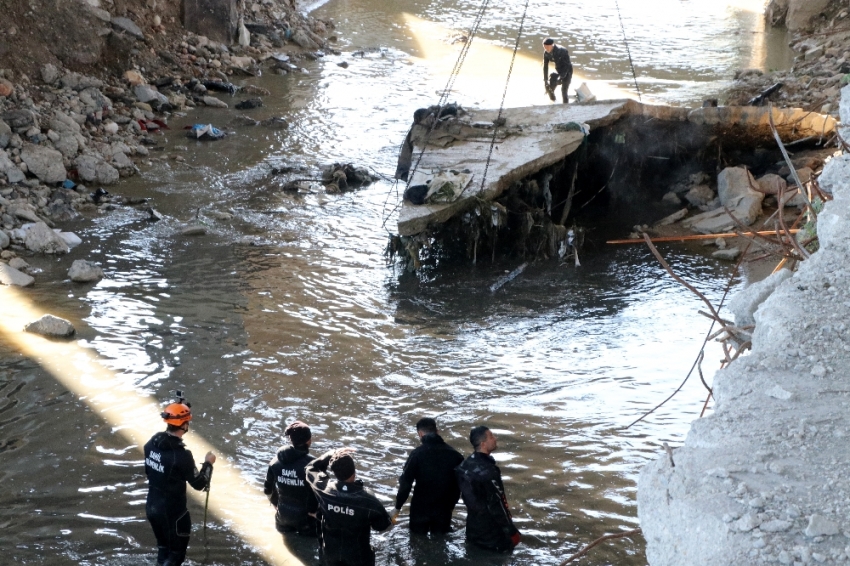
[(65, 135), (738, 199), (821, 68)]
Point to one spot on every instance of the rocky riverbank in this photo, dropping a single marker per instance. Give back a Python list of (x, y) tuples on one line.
[(78, 113), (820, 37), (763, 480)]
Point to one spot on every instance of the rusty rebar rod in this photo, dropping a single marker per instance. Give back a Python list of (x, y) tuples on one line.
[(598, 541)]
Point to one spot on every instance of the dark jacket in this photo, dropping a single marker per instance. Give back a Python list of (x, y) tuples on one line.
[(348, 512), (489, 523), (169, 467), (561, 57), (286, 486), (432, 466)]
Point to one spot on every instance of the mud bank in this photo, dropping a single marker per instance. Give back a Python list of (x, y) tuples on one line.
[(764, 479)]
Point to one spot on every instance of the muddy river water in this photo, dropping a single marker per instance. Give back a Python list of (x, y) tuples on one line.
[(290, 311)]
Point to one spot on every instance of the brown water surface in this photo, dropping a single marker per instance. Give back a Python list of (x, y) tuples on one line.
[(289, 310)]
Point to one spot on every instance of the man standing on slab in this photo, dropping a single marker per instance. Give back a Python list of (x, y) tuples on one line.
[(563, 69), (431, 467), (489, 523)]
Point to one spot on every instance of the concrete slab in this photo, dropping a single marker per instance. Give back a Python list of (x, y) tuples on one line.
[(530, 141), (535, 137)]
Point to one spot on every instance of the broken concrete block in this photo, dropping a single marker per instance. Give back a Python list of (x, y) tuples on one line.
[(735, 189)]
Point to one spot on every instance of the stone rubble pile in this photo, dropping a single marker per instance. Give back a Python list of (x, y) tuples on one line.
[(706, 202), (764, 480), (64, 135), (821, 68)]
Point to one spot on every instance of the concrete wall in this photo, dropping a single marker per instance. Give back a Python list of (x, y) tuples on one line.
[(766, 478)]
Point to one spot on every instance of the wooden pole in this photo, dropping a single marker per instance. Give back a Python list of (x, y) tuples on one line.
[(694, 237)]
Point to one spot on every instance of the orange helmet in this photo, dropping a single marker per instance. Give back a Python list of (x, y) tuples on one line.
[(176, 414)]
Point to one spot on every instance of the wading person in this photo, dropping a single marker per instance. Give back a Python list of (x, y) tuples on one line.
[(431, 466), (347, 511), (169, 467), (489, 523), (286, 483), (563, 69)]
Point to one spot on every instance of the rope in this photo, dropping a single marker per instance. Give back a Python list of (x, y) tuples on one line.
[(473, 30), (628, 51), (498, 120), (479, 17)]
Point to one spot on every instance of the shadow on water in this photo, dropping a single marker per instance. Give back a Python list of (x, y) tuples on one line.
[(288, 311)]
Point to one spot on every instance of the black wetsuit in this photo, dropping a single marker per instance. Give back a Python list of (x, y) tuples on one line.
[(564, 70), (348, 512), (489, 523), (286, 487), (169, 466), (432, 466)]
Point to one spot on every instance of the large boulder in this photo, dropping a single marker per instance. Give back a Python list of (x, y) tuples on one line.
[(11, 276), (24, 211), (801, 12), (735, 189), (772, 184), (64, 124), (19, 119), (83, 271), (301, 38), (5, 134), (215, 19), (41, 239), (149, 93), (4, 240), (700, 195), (44, 163), (94, 100), (77, 81), (129, 26), (92, 169), (67, 145), (51, 326), (7, 167), (49, 73)]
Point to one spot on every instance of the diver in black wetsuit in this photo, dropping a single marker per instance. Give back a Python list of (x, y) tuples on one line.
[(286, 483), (431, 467), (169, 467), (489, 523), (347, 511)]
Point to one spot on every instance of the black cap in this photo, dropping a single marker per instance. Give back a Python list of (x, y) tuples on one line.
[(548, 41), (298, 433)]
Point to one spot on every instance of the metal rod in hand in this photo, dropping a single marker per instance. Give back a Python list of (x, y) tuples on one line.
[(206, 506)]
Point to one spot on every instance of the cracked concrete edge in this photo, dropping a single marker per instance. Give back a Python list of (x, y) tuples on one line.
[(750, 480)]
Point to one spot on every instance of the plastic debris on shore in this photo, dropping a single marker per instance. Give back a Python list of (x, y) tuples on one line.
[(204, 132)]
